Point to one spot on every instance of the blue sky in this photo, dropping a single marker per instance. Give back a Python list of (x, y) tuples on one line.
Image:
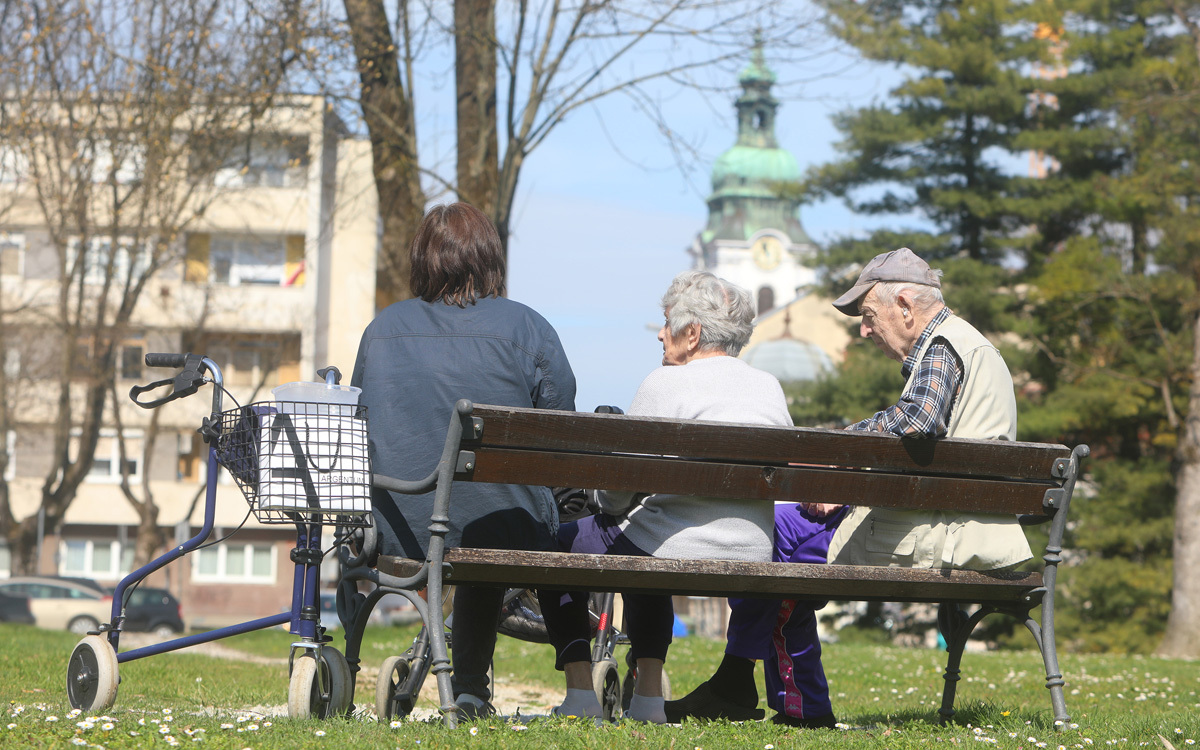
[(599, 233)]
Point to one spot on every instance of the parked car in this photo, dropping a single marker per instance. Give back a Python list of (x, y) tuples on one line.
[(74, 604), (152, 610), (15, 608)]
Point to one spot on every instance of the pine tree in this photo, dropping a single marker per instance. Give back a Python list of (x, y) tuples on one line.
[(937, 148), (1114, 313), (1101, 257)]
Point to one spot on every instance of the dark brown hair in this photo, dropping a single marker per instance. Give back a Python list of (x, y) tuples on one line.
[(456, 256)]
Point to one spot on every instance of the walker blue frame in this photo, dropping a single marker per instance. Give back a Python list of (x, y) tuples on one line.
[(321, 688)]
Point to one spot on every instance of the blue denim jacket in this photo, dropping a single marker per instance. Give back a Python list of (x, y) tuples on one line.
[(415, 360)]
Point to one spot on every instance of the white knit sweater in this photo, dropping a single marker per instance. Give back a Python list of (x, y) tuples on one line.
[(717, 389)]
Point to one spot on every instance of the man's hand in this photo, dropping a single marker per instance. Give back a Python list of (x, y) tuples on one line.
[(820, 510)]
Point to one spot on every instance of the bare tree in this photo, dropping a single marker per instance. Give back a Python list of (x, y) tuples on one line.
[(521, 69), (475, 93), (1182, 636), (115, 111), (388, 110)]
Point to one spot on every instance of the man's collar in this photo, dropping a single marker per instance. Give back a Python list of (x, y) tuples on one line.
[(910, 362)]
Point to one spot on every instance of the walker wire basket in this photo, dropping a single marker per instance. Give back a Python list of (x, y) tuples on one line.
[(299, 462)]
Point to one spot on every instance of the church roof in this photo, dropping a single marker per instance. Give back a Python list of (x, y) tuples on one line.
[(757, 71), (746, 179), (750, 170), (788, 359)]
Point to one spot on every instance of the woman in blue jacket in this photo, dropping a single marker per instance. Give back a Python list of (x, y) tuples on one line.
[(458, 338)]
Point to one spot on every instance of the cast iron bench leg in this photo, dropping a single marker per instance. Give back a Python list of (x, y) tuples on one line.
[(1054, 678), (956, 628)]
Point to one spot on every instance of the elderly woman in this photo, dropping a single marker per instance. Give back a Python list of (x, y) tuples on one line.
[(708, 321), (460, 338)]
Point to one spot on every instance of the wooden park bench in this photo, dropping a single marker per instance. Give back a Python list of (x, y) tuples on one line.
[(619, 452)]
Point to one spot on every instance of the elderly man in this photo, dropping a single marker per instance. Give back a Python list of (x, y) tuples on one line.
[(958, 386)]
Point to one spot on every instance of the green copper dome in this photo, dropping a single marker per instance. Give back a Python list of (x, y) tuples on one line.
[(750, 170), (746, 179), (757, 71)]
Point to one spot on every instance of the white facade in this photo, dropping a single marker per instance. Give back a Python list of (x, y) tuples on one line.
[(273, 278), (770, 266)]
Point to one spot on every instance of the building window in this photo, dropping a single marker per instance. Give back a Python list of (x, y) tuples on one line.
[(247, 260), (766, 299), (234, 563), (246, 364), (5, 561), (263, 259), (13, 165), (123, 163), (12, 254), (265, 161), (106, 463), (94, 559), (131, 361), (100, 255)]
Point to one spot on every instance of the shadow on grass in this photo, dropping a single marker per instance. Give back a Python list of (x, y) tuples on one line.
[(980, 714)]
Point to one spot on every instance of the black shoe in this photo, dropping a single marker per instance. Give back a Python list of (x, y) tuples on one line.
[(828, 721), (704, 703)]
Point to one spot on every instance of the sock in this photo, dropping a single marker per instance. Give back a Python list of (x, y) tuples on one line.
[(645, 708), (734, 681), (580, 702)]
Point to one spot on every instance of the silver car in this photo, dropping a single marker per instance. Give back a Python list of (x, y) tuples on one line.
[(71, 604)]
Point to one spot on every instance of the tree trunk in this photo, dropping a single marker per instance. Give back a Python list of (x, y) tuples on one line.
[(475, 87), (150, 536), (1182, 637), (388, 112), (22, 545)]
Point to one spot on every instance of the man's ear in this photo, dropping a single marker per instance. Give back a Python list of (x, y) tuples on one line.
[(905, 303), (693, 336)]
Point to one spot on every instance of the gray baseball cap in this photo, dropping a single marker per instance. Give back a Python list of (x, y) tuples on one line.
[(897, 265)]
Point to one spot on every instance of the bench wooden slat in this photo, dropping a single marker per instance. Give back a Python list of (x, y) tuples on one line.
[(512, 427), (725, 577), (729, 480)]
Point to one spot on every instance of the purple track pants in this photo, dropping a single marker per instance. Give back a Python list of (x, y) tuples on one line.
[(783, 634)]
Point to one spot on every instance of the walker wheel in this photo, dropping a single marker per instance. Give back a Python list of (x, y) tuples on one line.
[(338, 662), (392, 699), (606, 681), (319, 689), (92, 676)]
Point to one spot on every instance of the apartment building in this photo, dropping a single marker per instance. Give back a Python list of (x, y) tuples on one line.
[(272, 278)]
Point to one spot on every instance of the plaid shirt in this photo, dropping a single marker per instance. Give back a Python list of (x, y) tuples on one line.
[(924, 409)]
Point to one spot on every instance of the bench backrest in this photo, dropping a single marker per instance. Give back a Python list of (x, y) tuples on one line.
[(642, 454)]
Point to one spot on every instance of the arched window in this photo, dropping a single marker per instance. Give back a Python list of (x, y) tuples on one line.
[(766, 299)]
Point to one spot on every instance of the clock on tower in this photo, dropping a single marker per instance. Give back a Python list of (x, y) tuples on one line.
[(767, 252)]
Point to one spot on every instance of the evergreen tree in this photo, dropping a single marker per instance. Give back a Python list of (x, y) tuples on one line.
[(1101, 258), (937, 148), (1114, 315)]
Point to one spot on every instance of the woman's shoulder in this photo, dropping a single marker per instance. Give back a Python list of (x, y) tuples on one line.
[(710, 373)]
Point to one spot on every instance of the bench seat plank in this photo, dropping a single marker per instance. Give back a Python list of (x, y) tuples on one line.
[(788, 483), (726, 577), (540, 429)]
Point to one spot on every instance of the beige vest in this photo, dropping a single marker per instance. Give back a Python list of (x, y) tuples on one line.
[(986, 408)]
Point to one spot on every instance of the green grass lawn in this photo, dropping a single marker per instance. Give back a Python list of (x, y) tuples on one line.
[(887, 696)]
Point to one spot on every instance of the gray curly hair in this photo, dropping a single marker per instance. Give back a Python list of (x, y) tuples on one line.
[(724, 311)]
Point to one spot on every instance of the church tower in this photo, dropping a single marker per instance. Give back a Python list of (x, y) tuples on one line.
[(754, 237)]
